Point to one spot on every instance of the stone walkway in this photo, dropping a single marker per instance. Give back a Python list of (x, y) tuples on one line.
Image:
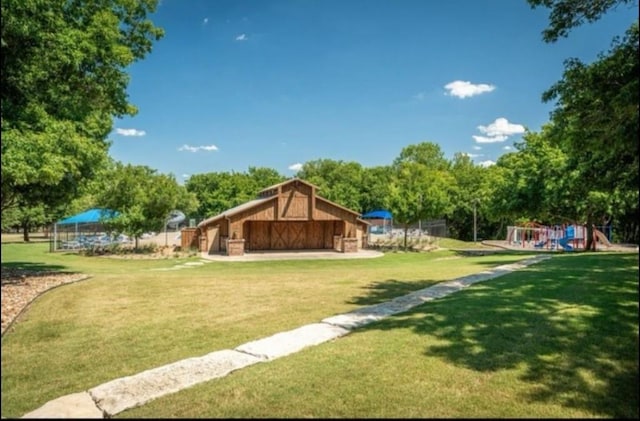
[(118, 395)]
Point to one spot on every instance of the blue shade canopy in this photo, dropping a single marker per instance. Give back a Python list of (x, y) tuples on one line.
[(91, 216), (378, 214)]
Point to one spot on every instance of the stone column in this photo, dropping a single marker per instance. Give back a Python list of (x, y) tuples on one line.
[(235, 247), (349, 245)]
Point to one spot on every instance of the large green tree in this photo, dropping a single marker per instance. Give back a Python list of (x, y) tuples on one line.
[(467, 196), (63, 80), (421, 185), (565, 15), (338, 181), (374, 189), (219, 191), (143, 197), (596, 118)]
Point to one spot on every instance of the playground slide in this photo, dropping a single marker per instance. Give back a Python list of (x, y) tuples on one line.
[(564, 242), (541, 244), (603, 238)]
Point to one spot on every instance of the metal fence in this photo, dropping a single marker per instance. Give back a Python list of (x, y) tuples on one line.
[(421, 234), (434, 227)]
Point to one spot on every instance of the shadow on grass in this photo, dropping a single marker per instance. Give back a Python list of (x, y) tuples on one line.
[(12, 272), (572, 322), (379, 292), (487, 252)]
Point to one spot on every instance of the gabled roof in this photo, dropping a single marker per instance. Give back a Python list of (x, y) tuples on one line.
[(289, 181), (235, 210), (337, 205), (252, 203)]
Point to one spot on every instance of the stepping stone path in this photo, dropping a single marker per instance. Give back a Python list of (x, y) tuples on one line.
[(185, 265), (118, 395)]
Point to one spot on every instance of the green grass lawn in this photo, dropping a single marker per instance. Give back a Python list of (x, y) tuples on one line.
[(558, 339)]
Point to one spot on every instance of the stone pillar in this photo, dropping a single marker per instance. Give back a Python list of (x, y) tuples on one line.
[(337, 242), (235, 247), (349, 245)]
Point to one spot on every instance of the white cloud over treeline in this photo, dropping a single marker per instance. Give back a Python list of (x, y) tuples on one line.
[(498, 131)]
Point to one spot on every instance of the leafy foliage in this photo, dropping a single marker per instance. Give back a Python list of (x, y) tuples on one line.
[(144, 199), (568, 14), (220, 191), (421, 185), (63, 80), (338, 181)]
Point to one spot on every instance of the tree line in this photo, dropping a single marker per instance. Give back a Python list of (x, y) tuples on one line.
[(64, 79)]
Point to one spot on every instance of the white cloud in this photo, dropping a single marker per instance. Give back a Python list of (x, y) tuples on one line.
[(242, 37), (487, 163), (205, 21), (462, 89), (198, 148), (472, 155), (484, 139), (420, 96), (186, 175), (295, 167), (501, 127), (477, 148), (498, 131), (130, 132), (507, 148)]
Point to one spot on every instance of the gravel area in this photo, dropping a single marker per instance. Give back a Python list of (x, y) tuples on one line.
[(20, 287)]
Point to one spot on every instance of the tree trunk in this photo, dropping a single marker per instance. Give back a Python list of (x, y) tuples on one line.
[(406, 229), (25, 233), (591, 241)]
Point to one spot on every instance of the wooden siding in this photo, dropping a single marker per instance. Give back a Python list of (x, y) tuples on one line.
[(288, 217), (293, 202), (188, 238), (264, 212), (213, 239), (325, 212), (289, 235)]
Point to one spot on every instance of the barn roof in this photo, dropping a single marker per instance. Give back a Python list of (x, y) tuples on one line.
[(252, 203), (275, 186), (237, 209), (337, 205)]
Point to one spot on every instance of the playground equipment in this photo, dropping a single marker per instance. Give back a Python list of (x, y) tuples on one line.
[(173, 221), (567, 237)]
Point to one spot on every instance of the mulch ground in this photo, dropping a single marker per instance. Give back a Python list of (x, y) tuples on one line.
[(20, 287)]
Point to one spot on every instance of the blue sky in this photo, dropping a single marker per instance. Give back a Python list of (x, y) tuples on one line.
[(240, 83)]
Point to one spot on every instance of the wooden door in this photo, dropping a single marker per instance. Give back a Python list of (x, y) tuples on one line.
[(288, 235)]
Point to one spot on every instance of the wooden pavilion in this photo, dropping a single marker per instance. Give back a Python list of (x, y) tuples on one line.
[(285, 216)]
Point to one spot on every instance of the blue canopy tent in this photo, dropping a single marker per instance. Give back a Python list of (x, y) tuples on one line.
[(74, 228), (95, 216), (381, 221)]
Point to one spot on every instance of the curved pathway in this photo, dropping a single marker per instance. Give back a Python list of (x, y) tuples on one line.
[(118, 395)]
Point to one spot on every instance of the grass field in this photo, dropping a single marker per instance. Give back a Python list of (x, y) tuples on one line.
[(558, 339)]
